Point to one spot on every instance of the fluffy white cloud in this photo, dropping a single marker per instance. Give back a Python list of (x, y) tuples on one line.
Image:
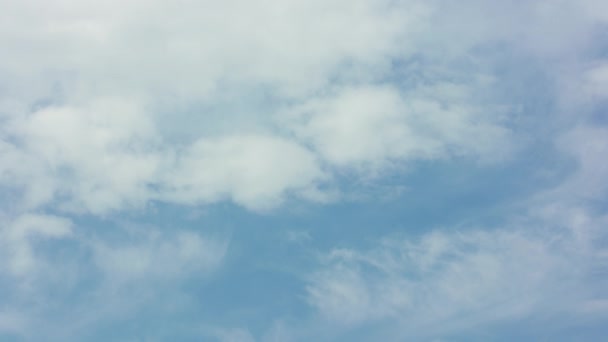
[(109, 156), (358, 125), (99, 101), (188, 47), (252, 170), (355, 126), (100, 154)]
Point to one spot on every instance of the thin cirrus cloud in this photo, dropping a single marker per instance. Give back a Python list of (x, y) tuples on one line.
[(18, 254), (544, 265), (403, 288), (48, 260), (132, 133)]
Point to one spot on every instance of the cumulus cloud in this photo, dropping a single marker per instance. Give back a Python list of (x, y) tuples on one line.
[(252, 170), (358, 125), (108, 156), (89, 128), (100, 155), (355, 126), (188, 48)]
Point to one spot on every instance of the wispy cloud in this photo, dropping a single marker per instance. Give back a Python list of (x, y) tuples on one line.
[(453, 282)]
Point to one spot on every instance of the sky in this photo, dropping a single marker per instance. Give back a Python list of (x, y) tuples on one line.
[(303, 170)]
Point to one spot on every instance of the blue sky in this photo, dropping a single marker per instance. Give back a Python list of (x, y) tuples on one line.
[(368, 170)]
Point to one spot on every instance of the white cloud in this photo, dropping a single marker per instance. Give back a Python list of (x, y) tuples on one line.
[(108, 156), (358, 125), (452, 282), (89, 92), (255, 171), (101, 155), (588, 145), (93, 95), (375, 125), (596, 80), (187, 47), (141, 253), (544, 264), (154, 255), (118, 271), (18, 236)]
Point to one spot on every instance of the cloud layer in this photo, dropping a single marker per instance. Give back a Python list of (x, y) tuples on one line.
[(132, 132), (89, 128)]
